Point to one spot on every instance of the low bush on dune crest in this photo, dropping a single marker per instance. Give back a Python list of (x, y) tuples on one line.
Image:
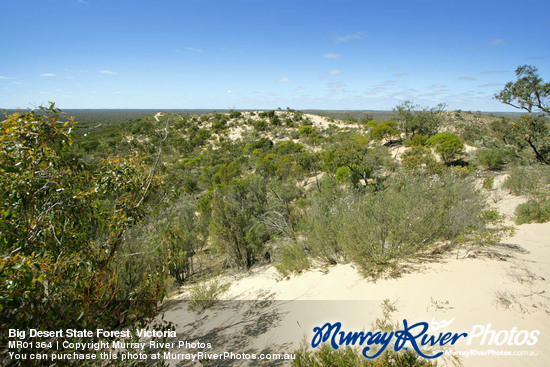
[(411, 216), (533, 182), (528, 180), (533, 211)]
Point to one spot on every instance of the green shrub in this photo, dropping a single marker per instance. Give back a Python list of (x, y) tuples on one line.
[(292, 258), (533, 211), (416, 141), (371, 123), (528, 180), (447, 145), (419, 157), (260, 125), (63, 223), (288, 147), (236, 226), (376, 230), (324, 221), (344, 174), (385, 131), (306, 130), (235, 114), (262, 144), (493, 159)]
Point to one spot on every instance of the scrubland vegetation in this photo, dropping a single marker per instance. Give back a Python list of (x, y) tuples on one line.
[(99, 224)]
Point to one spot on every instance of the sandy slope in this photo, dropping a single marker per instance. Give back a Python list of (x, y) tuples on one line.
[(505, 286)]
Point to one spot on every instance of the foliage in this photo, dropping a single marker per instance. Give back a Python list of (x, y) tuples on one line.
[(236, 227), (447, 145), (364, 163), (292, 258), (420, 158), (306, 130), (533, 211), (493, 158), (409, 216), (206, 294), (416, 141), (371, 123), (530, 94), (62, 228), (414, 120), (288, 147), (385, 131), (533, 131), (531, 181), (488, 183), (182, 235)]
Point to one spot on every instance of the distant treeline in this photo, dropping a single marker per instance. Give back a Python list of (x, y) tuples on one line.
[(91, 117)]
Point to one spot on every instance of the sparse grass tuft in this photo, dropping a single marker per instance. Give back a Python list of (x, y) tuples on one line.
[(488, 183), (206, 294), (504, 299)]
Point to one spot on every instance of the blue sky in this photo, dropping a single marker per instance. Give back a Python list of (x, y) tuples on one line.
[(346, 54)]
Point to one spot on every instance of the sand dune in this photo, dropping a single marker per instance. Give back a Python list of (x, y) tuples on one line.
[(505, 286)]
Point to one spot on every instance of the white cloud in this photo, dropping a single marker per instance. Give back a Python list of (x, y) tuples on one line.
[(400, 75), (467, 78), (47, 75), (229, 91), (491, 43), (535, 58), (349, 37), (496, 42), (3, 77), (334, 72), (108, 72), (438, 86), (490, 85), (17, 83), (192, 49), (82, 1), (118, 92), (331, 56), (284, 79)]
